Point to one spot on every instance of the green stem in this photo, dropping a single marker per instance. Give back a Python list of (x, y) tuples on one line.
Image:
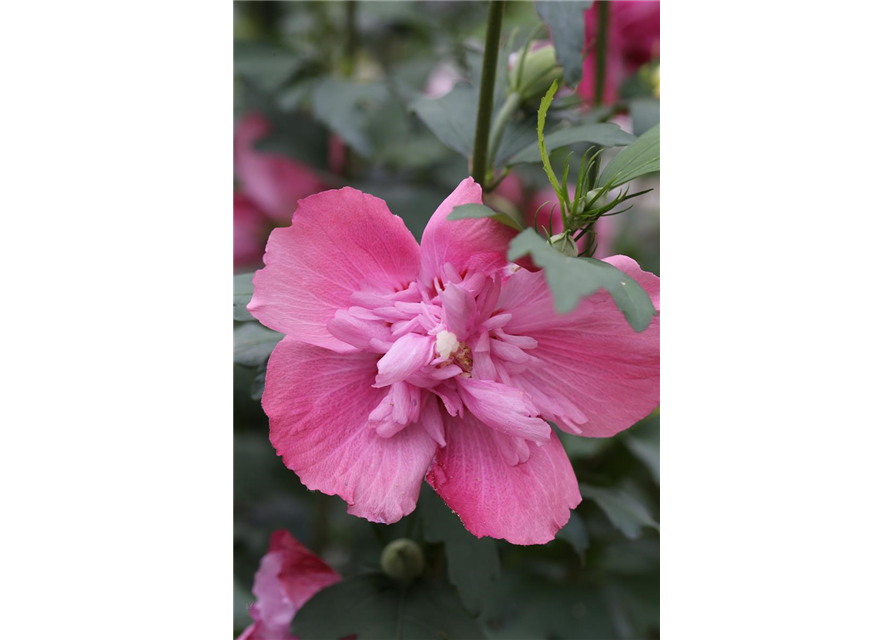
[(601, 55), (488, 86), (350, 48), (512, 101)]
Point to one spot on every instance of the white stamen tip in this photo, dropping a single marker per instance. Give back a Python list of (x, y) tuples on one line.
[(447, 344)]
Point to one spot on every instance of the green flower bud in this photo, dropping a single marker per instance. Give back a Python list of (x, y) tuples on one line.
[(564, 243), (402, 560), (540, 69)]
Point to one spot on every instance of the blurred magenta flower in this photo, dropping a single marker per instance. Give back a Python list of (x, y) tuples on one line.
[(633, 40), (249, 232), (274, 182), (289, 575), (441, 362)]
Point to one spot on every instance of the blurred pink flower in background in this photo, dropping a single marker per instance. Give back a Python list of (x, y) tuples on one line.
[(508, 197), (289, 575), (442, 79), (250, 226), (633, 40), (443, 362), (274, 182)]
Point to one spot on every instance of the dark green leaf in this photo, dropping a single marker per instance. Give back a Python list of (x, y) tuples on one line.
[(606, 134), (241, 600), (464, 211), (537, 608), (645, 113), (344, 107), (243, 289), (578, 448), (451, 117), (625, 512), (638, 159), (257, 385), (645, 449), (575, 533), (374, 608), (267, 65), (297, 136), (253, 344), (472, 563), (566, 22), (571, 279)]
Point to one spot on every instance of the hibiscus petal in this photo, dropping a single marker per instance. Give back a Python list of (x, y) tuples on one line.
[(432, 420), (525, 504), (592, 360), (406, 356), (357, 331), (319, 403), (458, 310), (467, 245), (504, 408), (338, 241), (302, 574)]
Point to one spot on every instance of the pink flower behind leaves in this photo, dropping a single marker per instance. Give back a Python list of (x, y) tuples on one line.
[(249, 229), (441, 362), (289, 575), (274, 182), (633, 40)]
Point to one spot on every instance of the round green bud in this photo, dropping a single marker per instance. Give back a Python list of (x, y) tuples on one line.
[(540, 69), (564, 243), (402, 560)]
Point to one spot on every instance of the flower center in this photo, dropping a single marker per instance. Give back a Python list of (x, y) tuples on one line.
[(448, 346)]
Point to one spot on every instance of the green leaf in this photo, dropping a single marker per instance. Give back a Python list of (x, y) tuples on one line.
[(344, 107), (642, 442), (472, 563), (571, 279), (243, 289), (375, 608), (575, 533), (256, 391), (465, 211), (567, 24), (537, 607), (451, 117), (638, 159), (297, 136), (606, 134), (541, 144), (645, 113), (625, 512), (267, 65), (253, 344), (242, 598)]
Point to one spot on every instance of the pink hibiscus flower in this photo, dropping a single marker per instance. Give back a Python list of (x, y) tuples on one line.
[(633, 40), (289, 575), (441, 362), (274, 182)]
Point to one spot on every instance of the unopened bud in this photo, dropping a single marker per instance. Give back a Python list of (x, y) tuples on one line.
[(540, 69), (564, 243), (402, 560)]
